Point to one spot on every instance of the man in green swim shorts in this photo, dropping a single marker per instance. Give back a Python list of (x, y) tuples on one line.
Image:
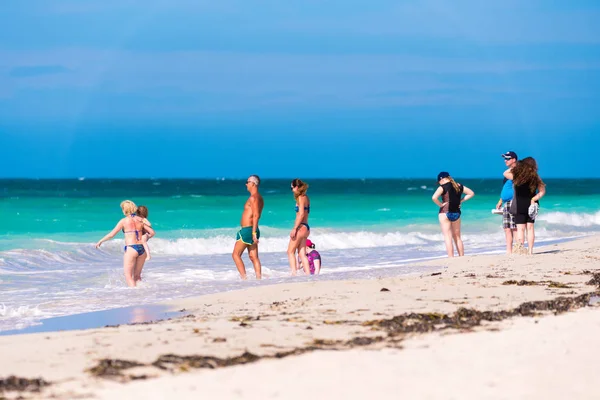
[(247, 237)]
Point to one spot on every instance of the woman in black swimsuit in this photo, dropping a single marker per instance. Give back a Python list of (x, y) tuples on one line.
[(449, 212), (133, 228), (301, 230), (529, 189)]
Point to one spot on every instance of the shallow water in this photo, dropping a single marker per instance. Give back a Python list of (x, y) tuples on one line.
[(362, 228)]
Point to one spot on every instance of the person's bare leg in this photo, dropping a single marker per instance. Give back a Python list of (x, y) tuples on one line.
[(303, 258), (300, 245), (519, 247), (128, 265), (509, 240), (446, 231), (146, 247), (521, 234), (139, 265), (530, 238), (291, 253), (456, 237), (253, 254), (317, 266), (238, 250)]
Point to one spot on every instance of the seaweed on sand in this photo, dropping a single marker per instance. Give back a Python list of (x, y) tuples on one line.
[(16, 384), (520, 283), (465, 318), (595, 280), (168, 360), (462, 319), (108, 367), (558, 305), (176, 362), (551, 284)]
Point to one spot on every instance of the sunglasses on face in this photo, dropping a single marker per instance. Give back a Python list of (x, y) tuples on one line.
[(291, 187)]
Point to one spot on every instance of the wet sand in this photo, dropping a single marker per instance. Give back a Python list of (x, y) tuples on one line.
[(99, 319)]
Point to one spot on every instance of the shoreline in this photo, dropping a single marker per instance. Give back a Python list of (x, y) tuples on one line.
[(330, 326), (143, 314), (149, 312)]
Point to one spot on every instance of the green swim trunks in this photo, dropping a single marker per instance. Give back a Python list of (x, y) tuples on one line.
[(245, 235)]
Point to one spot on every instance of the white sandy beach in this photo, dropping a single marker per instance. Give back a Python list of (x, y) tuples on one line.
[(544, 356)]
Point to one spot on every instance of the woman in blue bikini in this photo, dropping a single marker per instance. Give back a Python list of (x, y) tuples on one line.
[(301, 230), (449, 213), (133, 228)]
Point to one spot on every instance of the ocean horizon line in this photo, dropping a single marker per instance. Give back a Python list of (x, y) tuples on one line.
[(239, 178)]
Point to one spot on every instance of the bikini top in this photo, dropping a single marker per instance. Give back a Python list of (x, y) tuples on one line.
[(306, 208), (137, 237)]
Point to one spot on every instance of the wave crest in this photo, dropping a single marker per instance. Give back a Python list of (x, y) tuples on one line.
[(571, 219)]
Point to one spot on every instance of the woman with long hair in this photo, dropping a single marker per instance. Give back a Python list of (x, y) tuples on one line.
[(133, 228), (529, 189), (449, 214), (301, 229)]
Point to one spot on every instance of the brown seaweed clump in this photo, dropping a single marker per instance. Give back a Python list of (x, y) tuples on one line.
[(595, 280), (168, 361), (558, 285), (173, 362), (466, 318), (184, 363), (558, 305), (462, 319), (16, 384), (359, 341), (520, 283), (551, 284), (112, 367)]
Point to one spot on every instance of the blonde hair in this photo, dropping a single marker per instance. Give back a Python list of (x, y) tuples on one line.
[(454, 184), (128, 207), (302, 188)]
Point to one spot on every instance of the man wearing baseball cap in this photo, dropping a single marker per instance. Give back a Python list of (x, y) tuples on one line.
[(506, 196)]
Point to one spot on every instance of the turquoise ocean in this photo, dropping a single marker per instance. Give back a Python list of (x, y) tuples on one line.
[(365, 228)]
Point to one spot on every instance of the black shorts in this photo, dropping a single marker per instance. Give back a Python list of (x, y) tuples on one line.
[(521, 219)]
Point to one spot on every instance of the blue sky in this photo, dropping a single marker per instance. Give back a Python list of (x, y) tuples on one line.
[(193, 88)]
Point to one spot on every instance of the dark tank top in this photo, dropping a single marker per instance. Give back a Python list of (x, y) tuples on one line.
[(452, 197), (523, 194)]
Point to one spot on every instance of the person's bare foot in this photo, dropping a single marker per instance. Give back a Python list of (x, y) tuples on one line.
[(518, 249)]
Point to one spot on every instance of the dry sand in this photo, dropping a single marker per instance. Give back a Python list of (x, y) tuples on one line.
[(315, 339)]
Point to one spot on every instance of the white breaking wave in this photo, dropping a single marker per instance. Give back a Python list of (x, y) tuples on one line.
[(22, 311), (329, 240), (323, 241), (571, 219), (276, 241), (70, 253)]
